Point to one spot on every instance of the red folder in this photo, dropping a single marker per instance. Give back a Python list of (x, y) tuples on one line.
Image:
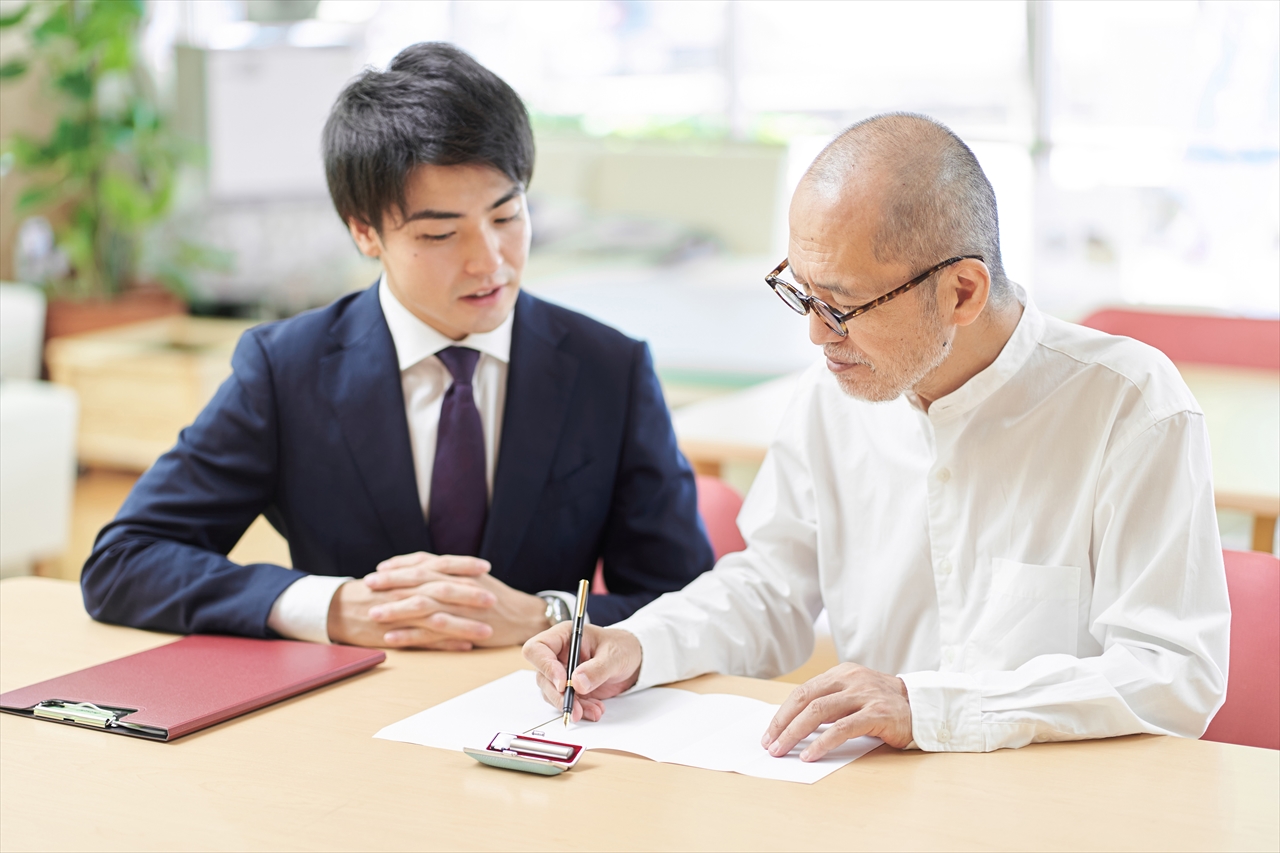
[(196, 682)]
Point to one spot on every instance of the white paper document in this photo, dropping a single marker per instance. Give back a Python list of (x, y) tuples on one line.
[(716, 731)]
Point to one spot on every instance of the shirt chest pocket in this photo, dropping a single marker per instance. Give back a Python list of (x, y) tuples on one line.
[(1030, 611)]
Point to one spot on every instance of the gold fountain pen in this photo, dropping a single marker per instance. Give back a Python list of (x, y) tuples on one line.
[(575, 647)]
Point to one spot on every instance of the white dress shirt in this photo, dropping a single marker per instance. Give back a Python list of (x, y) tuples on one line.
[(301, 612), (1037, 555)]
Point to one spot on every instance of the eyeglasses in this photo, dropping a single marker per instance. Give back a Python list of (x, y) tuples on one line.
[(801, 303)]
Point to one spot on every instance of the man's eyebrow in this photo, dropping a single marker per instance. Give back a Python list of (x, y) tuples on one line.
[(511, 193), (837, 290), (432, 214), (833, 288), (444, 214)]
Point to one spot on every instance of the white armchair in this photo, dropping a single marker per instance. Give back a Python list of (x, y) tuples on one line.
[(37, 440), (21, 331)]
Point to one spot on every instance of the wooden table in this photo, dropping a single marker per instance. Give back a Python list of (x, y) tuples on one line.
[(1241, 406), (306, 774)]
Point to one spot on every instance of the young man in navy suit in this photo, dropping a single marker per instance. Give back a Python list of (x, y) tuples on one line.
[(446, 455)]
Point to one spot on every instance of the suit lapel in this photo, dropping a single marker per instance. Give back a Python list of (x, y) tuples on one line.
[(540, 384), (362, 382)]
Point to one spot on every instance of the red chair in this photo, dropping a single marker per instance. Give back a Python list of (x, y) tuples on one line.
[(1251, 714), (718, 504), (1197, 338)]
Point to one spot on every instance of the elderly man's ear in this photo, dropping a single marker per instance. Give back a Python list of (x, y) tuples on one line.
[(963, 291)]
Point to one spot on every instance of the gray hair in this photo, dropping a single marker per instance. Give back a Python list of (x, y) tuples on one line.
[(936, 200)]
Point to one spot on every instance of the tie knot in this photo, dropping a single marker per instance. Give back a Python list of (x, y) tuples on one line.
[(460, 362)]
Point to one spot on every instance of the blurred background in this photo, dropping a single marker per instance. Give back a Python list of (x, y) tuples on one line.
[(161, 190)]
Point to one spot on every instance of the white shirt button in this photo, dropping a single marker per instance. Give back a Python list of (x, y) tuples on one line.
[(949, 654), (944, 474), (944, 566), (944, 735)]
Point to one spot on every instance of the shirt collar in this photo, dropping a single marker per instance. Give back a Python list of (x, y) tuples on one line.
[(1026, 335), (415, 340)]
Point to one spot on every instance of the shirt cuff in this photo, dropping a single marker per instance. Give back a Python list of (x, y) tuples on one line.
[(657, 655), (301, 612), (946, 711)]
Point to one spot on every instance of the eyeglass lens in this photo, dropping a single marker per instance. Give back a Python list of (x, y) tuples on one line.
[(793, 299), (828, 316)]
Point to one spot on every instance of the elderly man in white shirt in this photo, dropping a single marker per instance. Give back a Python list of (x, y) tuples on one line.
[(1009, 518)]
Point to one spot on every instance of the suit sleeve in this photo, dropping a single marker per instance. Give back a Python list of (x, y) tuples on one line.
[(161, 564), (654, 541)]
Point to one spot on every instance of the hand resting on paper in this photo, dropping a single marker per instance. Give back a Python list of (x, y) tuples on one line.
[(609, 664), (427, 601), (855, 700)]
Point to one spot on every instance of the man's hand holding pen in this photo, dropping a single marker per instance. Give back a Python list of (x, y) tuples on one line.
[(609, 664)]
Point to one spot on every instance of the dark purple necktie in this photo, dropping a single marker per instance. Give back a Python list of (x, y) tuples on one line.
[(459, 500)]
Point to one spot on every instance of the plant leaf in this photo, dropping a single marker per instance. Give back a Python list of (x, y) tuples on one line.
[(14, 18), (56, 24), (13, 68), (38, 196), (125, 200), (77, 83)]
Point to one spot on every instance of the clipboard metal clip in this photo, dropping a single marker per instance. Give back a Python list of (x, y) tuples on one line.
[(96, 716), (84, 713)]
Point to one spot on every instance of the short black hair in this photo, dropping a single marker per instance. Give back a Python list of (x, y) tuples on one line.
[(434, 104)]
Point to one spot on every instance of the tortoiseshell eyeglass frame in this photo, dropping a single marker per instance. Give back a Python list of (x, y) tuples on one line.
[(802, 303)]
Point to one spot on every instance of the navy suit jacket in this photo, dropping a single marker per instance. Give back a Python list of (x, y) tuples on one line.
[(310, 431)]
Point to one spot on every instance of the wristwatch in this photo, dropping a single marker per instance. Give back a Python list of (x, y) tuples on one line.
[(557, 610)]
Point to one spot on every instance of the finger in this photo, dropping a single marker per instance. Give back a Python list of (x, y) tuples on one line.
[(460, 594), (439, 626), (404, 610), (597, 663), (548, 688), (820, 710), (588, 709), (591, 674), (415, 609), (798, 700), (855, 725), (460, 566), (403, 560), (544, 652), (399, 577), (459, 627)]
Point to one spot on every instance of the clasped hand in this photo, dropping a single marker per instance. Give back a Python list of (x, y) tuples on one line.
[(425, 601), (851, 700)]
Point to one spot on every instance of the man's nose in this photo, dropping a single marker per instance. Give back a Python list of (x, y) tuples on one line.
[(484, 253), (819, 332)]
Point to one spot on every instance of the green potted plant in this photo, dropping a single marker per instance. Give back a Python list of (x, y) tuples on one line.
[(105, 174)]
